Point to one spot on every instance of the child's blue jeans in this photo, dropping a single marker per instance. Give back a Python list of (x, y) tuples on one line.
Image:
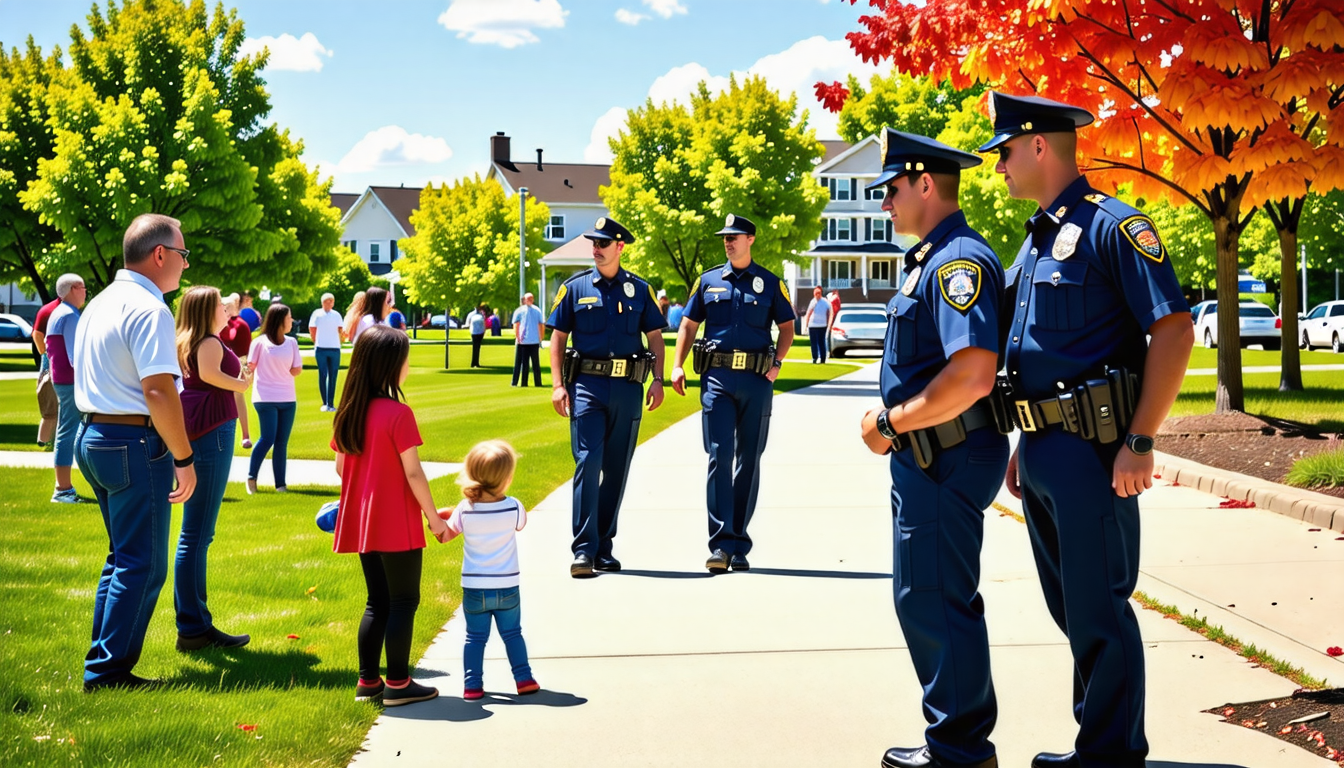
[(479, 605)]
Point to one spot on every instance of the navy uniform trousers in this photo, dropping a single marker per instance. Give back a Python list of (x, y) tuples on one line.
[(603, 428), (938, 530), (1086, 542), (736, 422)]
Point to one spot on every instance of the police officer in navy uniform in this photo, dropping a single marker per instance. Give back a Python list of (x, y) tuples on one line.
[(605, 310), (737, 302), (1089, 284), (938, 365)]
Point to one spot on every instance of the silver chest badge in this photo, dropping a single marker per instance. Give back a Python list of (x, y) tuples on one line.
[(911, 281), (1066, 241), (758, 285), (630, 290)]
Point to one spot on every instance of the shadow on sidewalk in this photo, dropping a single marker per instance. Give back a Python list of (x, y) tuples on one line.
[(1169, 764), (811, 574), (840, 389), (455, 709), (662, 574)]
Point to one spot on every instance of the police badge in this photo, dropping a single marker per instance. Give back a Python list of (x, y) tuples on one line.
[(959, 282), (630, 290), (758, 285), (728, 222), (1066, 242), (910, 281)]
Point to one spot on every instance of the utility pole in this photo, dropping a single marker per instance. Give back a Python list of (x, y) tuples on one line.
[(522, 244), (1303, 303)]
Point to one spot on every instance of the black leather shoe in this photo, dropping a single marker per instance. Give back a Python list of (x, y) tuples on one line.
[(212, 639), (717, 562), (1054, 760), (609, 564), (921, 757), (582, 567), (739, 563), (127, 681)]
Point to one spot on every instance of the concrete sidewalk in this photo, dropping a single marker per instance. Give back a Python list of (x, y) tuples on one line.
[(801, 663)]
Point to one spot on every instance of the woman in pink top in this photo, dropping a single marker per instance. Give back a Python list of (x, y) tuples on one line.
[(275, 359)]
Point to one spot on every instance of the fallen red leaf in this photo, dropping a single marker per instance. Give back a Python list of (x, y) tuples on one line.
[(1287, 729), (1237, 504), (1157, 477), (1313, 530), (1229, 711), (292, 637), (246, 727), (1334, 650)]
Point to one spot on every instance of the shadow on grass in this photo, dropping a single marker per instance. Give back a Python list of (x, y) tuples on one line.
[(18, 433), (242, 668)]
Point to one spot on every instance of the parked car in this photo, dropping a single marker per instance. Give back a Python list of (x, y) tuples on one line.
[(437, 321), (1259, 324), (858, 326), (1324, 326), (15, 328)]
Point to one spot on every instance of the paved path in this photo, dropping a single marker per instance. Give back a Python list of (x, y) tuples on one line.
[(801, 662), (1263, 369)]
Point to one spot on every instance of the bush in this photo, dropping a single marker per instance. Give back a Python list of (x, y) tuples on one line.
[(1325, 469)]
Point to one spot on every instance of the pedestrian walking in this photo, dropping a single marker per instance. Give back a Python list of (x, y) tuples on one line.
[(738, 364), (475, 321), (818, 321), (946, 448), (250, 315), (326, 329), (608, 313), (60, 344), (132, 446), (1096, 351), (528, 327), (384, 492), (276, 362)]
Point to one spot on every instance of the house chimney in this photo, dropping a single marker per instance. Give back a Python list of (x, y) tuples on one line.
[(539, 159), (567, 184), (499, 151)]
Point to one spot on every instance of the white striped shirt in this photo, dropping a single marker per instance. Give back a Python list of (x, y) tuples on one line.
[(490, 550)]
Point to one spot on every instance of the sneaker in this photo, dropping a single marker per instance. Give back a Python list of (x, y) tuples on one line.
[(251, 483), (67, 496), (717, 562), (473, 694), (411, 693), (369, 692), (528, 686)]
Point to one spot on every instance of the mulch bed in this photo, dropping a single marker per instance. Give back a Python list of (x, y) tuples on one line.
[(1322, 736), (1252, 445)]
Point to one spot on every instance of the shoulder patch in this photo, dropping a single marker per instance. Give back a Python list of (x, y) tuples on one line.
[(960, 281), (652, 296), (783, 288), (1096, 198), (559, 296), (1143, 235), (694, 289)]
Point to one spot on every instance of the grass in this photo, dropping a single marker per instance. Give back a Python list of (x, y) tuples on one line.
[(1218, 635), (266, 558), (1318, 403), (1322, 470)]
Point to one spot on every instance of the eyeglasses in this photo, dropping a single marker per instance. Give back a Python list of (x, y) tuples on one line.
[(602, 242), (730, 238), (183, 252), (1004, 151)]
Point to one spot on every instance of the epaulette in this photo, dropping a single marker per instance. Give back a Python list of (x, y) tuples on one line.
[(577, 275)]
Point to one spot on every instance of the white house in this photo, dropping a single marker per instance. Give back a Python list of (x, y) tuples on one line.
[(374, 221)]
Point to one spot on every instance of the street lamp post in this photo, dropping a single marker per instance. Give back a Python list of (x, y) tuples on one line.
[(522, 244)]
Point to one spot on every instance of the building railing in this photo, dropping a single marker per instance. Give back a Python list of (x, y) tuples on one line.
[(841, 282), (880, 284)]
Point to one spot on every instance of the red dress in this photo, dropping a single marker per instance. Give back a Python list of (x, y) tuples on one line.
[(379, 512)]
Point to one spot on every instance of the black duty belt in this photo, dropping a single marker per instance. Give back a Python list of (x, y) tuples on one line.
[(741, 361), (616, 368), (1098, 409), (926, 442)]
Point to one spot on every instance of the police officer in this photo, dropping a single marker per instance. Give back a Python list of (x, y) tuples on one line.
[(938, 365), (737, 302), (604, 309), (1090, 282)]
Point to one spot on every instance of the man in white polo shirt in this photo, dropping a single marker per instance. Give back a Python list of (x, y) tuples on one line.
[(133, 443), (327, 328)]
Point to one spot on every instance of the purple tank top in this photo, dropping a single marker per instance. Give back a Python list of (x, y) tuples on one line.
[(205, 406)]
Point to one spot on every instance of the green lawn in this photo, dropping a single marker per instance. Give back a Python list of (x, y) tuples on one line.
[(266, 557), (1321, 402)]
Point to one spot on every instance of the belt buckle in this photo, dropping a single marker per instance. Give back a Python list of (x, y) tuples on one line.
[(739, 361), (617, 368), (1024, 417)]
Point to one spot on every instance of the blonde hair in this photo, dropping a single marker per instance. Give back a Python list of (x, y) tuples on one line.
[(353, 313), (488, 469), (195, 321)]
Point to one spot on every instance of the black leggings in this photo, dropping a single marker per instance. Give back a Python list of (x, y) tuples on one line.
[(393, 581)]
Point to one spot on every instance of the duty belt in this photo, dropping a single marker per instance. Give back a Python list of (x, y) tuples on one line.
[(636, 368), (1098, 409), (742, 361), (616, 368), (926, 442)]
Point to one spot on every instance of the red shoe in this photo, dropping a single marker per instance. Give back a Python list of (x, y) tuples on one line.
[(528, 686), (473, 694)]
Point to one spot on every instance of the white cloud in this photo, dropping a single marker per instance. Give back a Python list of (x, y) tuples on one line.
[(680, 82), (391, 145), (506, 23), (289, 53), (606, 127), (626, 16), (666, 8)]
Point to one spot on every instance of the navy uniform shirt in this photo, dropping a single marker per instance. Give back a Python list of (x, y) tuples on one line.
[(1091, 278), (738, 308), (606, 318), (948, 302)]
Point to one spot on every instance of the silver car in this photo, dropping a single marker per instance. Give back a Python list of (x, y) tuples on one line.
[(1258, 323), (858, 326)]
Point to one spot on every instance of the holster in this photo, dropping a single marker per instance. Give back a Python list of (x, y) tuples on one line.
[(1001, 404), (643, 367), (570, 367), (767, 361), (700, 351)]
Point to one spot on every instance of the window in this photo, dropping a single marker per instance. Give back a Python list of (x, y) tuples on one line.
[(879, 271), (392, 252), (1318, 313), (373, 252), (840, 270), (877, 193), (1337, 310), (556, 229), (841, 229), (844, 189), (353, 245), (877, 230), (1256, 310)]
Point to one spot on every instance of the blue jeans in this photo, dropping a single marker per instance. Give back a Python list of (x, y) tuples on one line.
[(276, 420), (328, 364), (131, 471), (67, 424), (818, 339), (504, 605), (214, 455)]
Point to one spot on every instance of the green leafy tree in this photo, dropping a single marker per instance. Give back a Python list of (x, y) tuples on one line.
[(158, 112), (910, 104), (679, 171), (465, 248), (25, 238)]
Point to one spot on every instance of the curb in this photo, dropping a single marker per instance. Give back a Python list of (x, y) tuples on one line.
[(1308, 506)]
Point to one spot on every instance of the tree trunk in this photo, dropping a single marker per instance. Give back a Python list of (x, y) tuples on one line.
[(1290, 373), (1226, 238)]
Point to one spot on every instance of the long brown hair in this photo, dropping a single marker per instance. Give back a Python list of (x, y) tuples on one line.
[(195, 321), (375, 303), (375, 370), (272, 327)]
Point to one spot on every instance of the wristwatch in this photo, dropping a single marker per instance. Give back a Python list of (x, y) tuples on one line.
[(1139, 445), (884, 425), (778, 363)]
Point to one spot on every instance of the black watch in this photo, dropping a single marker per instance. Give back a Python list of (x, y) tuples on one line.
[(884, 424), (778, 363), (1139, 445), (184, 463)]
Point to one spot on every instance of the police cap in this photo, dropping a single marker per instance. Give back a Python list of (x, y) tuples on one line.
[(737, 225), (1019, 115), (609, 229), (904, 153)]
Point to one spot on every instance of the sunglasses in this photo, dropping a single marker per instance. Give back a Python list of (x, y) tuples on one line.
[(730, 238), (1004, 152), (602, 242), (183, 252)]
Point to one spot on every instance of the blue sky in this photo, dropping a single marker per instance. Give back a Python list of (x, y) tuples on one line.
[(409, 91)]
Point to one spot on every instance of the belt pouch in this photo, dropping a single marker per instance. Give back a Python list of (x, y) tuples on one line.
[(570, 367), (950, 433), (700, 356), (1000, 399), (1103, 410), (1124, 405), (1087, 417), (922, 448), (1068, 411)]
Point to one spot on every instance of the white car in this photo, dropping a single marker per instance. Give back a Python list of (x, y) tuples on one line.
[(15, 328), (1259, 324), (1324, 326), (858, 326)]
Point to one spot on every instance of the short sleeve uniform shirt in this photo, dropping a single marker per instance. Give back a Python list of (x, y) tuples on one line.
[(606, 318), (738, 308)]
